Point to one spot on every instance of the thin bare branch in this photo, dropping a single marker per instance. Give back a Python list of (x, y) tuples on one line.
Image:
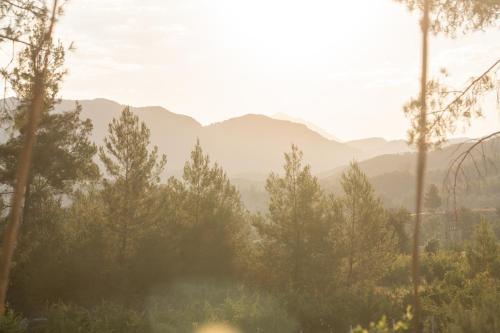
[(456, 166), (14, 39), (469, 87)]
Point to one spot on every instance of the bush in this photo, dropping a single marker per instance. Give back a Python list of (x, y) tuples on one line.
[(105, 318), (11, 323), (477, 307), (382, 326), (398, 272), (189, 305), (181, 309)]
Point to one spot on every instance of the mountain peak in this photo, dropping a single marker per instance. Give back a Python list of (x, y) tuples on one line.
[(308, 124)]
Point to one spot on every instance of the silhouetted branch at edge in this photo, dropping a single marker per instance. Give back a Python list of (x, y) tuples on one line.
[(457, 163), (34, 10), (421, 165), (34, 113), (461, 93), (469, 87), (21, 6), (14, 39)]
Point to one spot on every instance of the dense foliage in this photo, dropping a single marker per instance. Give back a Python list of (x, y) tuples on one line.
[(131, 252)]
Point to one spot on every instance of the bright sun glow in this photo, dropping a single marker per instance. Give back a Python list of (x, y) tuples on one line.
[(214, 60)]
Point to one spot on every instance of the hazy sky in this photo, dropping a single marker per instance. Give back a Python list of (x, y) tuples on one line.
[(347, 66)]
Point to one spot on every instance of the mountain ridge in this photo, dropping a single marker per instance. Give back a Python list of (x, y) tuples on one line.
[(251, 143)]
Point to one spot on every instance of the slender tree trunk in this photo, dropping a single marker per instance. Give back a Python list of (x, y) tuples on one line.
[(351, 241), (34, 114), (421, 165), (27, 195), (298, 250)]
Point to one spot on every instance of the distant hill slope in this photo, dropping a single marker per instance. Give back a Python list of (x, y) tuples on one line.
[(251, 144), (372, 147), (378, 146), (393, 175), (174, 134), (256, 143), (310, 125)]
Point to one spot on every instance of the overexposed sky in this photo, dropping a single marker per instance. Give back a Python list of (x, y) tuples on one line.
[(347, 66)]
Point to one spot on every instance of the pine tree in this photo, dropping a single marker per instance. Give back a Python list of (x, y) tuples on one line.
[(211, 218), (432, 200), (131, 170), (368, 240), (483, 251), (62, 156), (296, 244), (36, 65)]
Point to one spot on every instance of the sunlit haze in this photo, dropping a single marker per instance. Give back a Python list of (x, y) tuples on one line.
[(347, 66), (242, 166)]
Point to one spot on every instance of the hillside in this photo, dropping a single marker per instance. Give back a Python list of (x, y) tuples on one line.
[(393, 175), (310, 125), (174, 134), (378, 146), (251, 146), (256, 143), (248, 144)]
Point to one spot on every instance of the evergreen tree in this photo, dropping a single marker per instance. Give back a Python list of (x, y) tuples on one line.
[(483, 250), (210, 218), (296, 236), (36, 81), (62, 156), (399, 222), (432, 200), (369, 242), (131, 171)]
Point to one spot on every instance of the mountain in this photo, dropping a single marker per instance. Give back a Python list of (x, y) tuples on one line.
[(311, 126), (393, 175), (378, 146), (173, 133), (371, 147), (251, 144), (256, 142), (403, 163)]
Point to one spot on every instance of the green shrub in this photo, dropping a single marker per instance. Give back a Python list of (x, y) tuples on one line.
[(398, 272), (382, 326), (476, 308), (12, 323), (105, 318), (189, 305)]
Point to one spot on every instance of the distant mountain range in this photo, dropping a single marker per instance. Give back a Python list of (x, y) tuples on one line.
[(248, 145), (251, 146), (393, 175), (378, 146)]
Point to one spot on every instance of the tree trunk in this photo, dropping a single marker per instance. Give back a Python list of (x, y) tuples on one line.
[(421, 165), (34, 114)]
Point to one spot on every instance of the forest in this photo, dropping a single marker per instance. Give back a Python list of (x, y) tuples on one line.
[(107, 245), (109, 242)]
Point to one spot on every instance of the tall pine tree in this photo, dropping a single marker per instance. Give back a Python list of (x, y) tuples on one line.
[(131, 171), (296, 234), (210, 218), (368, 241)]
